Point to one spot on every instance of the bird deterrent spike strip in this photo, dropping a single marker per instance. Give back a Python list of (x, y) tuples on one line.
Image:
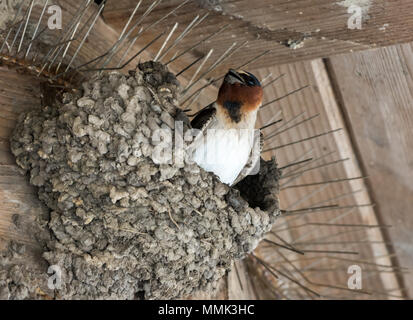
[(36, 29), (269, 135), (86, 35), (291, 127), (166, 41), (205, 58), (197, 44)]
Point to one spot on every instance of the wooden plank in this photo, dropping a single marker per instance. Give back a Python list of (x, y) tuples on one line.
[(376, 93), (319, 99), (311, 100), (319, 27), (18, 93), (352, 169)]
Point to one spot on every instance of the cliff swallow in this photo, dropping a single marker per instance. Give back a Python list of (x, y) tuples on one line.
[(229, 142)]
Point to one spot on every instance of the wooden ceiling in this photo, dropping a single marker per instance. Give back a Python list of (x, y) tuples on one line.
[(268, 25), (319, 27)]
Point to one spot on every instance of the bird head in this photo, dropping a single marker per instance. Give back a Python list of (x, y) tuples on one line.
[(240, 94)]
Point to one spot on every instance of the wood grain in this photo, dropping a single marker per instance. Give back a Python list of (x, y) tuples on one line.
[(376, 92), (390, 167), (319, 98), (269, 24)]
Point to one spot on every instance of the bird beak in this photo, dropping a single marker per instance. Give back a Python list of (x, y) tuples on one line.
[(236, 75)]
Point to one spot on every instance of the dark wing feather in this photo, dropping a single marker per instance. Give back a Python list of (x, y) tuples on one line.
[(203, 116)]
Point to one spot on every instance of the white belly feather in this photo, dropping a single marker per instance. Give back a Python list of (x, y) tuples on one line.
[(224, 152)]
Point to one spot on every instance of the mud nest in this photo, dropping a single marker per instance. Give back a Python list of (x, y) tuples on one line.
[(120, 225)]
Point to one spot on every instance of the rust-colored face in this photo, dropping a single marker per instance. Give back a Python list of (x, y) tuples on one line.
[(249, 97), (240, 93)]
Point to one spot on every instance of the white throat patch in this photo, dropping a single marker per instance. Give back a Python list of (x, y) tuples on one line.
[(224, 152)]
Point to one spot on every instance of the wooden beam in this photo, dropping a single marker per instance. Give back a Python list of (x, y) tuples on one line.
[(376, 95), (293, 30), (352, 168), (319, 98)]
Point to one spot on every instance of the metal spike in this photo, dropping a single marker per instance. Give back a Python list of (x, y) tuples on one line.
[(283, 246), (270, 268), (25, 25), (221, 77), (314, 243), (264, 265), (284, 96), (129, 20), (238, 277), (335, 234), (253, 59), (366, 262), (285, 124), (213, 66), (131, 59), (37, 27), (276, 115), (189, 65), (12, 24), (200, 67), (131, 44), (268, 76), (68, 42), (198, 92), (116, 45), (316, 167), (197, 44), (66, 49), (81, 66), (310, 209), (165, 16), (295, 164), (293, 126), (334, 219), (332, 251), (321, 284), (295, 177), (86, 35), (283, 241), (286, 260), (322, 182), (369, 226), (301, 157), (290, 271), (184, 33), (271, 124), (211, 81), (55, 49), (36, 37), (147, 12), (16, 36), (302, 140), (324, 208), (195, 98), (67, 35), (166, 41), (307, 196), (273, 80)]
